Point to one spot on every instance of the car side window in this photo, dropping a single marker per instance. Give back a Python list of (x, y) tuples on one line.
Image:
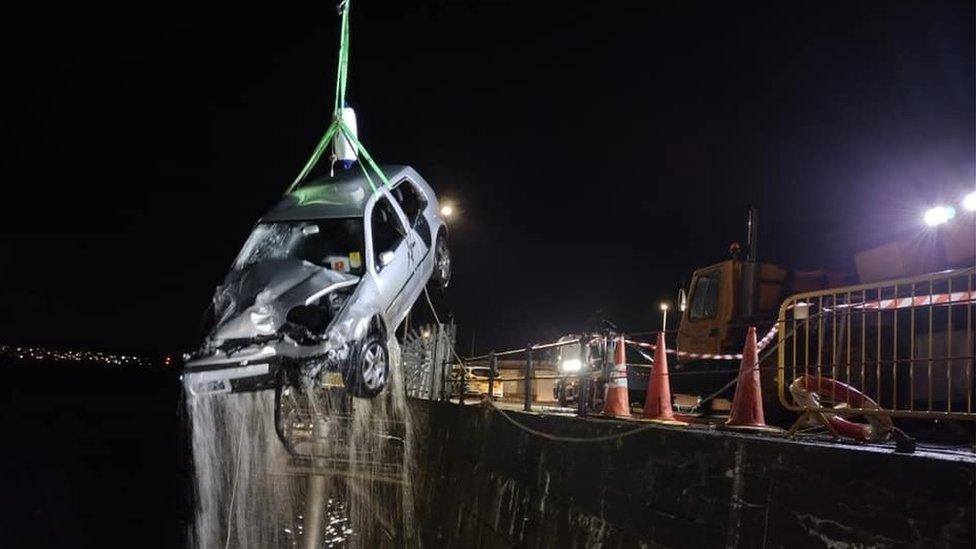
[(704, 296), (423, 229), (387, 230), (410, 200)]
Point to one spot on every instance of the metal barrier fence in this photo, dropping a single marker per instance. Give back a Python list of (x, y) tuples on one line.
[(427, 358), (907, 344), (590, 368), (589, 382)]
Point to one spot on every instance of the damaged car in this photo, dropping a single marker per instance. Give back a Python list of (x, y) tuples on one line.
[(322, 283)]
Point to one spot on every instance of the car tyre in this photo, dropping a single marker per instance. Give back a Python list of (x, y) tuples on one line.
[(369, 371), (442, 263)]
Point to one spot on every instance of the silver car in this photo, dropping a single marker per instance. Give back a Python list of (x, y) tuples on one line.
[(324, 280)]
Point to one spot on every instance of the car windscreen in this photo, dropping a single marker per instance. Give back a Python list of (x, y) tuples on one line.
[(335, 244)]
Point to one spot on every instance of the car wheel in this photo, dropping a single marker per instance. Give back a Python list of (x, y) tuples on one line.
[(367, 375), (442, 263)]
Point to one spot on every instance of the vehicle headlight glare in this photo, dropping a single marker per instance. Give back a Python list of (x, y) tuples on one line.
[(969, 202), (939, 215), (571, 365)]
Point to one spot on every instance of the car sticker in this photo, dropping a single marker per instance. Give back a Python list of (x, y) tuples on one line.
[(338, 263)]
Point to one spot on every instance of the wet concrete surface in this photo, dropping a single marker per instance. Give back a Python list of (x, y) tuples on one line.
[(93, 456)]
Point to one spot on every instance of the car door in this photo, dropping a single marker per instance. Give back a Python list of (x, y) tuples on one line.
[(388, 235), (705, 325), (413, 203)]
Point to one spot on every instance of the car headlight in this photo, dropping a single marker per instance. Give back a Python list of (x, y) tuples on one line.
[(337, 344)]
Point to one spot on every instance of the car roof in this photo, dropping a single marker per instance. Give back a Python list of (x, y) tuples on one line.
[(344, 195)]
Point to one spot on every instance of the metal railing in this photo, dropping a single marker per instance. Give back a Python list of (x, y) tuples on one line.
[(908, 344), (593, 369)]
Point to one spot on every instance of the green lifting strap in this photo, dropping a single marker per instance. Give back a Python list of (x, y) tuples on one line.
[(337, 126)]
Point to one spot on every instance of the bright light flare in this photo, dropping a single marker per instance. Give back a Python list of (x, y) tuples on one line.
[(572, 365), (939, 215), (969, 202), (665, 306), (447, 210)]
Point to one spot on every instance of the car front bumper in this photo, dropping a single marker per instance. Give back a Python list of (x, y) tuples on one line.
[(221, 374)]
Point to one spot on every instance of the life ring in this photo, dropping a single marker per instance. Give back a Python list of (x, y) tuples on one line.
[(808, 391)]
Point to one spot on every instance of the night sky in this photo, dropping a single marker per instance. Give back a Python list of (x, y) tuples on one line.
[(599, 152)]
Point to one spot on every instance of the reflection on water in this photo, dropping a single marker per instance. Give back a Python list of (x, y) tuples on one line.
[(337, 530), (345, 487)]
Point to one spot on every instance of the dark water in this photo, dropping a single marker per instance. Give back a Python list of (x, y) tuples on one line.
[(92, 456)]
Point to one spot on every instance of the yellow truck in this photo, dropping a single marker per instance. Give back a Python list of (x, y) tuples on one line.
[(901, 329)]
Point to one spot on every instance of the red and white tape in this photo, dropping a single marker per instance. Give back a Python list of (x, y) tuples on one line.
[(760, 345), (954, 298)]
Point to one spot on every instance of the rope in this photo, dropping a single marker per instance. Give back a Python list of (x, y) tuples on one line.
[(314, 159), (337, 126), (556, 438), (342, 68), (438, 320)]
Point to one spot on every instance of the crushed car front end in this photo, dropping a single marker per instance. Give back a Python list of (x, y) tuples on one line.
[(282, 308), (310, 293), (298, 323)]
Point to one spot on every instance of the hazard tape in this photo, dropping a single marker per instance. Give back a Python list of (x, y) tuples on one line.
[(954, 298), (766, 339)]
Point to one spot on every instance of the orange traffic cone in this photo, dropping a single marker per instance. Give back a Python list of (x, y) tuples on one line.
[(617, 401), (657, 405), (747, 405)]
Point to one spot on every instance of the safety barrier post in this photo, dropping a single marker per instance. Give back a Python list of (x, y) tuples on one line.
[(463, 386), (528, 378), (492, 372), (606, 362), (583, 394)]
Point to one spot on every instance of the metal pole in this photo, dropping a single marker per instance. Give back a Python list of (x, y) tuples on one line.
[(463, 386), (753, 235), (583, 394), (430, 345), (315, 502), (606, 363), (492, 372), (528, 378), (444, 361), (605, 374)]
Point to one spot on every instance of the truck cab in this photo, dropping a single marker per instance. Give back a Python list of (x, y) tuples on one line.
[(724, 299)]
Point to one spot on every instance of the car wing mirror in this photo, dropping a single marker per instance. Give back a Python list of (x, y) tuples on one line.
[(386, 258)]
